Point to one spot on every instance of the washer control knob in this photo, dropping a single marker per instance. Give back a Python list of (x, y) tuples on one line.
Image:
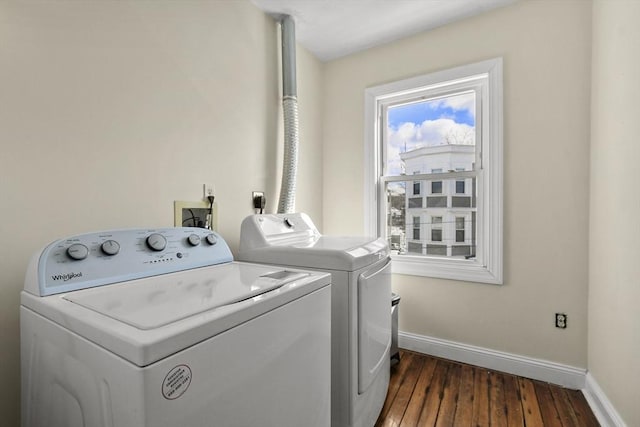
[(211, 239), (156, 242), (193, 239), (77, 251), (110, 247), (288, 222)]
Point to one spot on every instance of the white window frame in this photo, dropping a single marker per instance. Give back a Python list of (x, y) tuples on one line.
[(487, 267)]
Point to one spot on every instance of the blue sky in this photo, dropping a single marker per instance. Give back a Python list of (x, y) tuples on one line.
[(460, 112), (419, 112)]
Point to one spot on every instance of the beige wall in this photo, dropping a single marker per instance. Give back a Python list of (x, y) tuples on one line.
[(614, 269), (546, 46), (112, 110)]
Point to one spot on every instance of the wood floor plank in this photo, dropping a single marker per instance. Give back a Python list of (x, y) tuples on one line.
[(480, 398), (414, 408), (431, 407), (464, 410), (398, 373), (563, 405), (497, 403), (583, 413), (515, 418), (449, 401), (405, 390), (548, 409), (530, 408), (426, 391)]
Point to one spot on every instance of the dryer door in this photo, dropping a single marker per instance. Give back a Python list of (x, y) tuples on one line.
[(374, 322)]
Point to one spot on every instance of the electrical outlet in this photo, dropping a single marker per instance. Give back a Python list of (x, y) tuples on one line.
[(561, 320), (258, 200), (207, 190)]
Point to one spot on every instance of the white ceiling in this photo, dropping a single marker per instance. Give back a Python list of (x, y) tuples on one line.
[(331, 29)]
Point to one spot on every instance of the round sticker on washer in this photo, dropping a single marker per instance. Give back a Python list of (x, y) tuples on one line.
[(176, 382)]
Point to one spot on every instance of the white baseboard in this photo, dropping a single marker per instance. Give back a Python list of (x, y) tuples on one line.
[(600, 405), (542, 370)]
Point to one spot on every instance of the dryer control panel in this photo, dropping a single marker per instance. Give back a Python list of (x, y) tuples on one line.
[(293, 229), (102, 258)]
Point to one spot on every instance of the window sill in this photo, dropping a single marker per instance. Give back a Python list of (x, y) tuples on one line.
[(452, 269)]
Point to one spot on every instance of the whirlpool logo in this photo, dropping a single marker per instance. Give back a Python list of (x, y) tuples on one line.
[(67, 276)]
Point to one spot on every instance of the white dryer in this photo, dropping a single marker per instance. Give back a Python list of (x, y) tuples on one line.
[(160, 328), (361, 304)]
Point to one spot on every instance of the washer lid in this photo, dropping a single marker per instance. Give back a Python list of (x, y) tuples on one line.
[(157, 302), (146, 320)]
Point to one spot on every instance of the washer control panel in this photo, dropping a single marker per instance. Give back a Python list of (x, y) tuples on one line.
[(102, 258)]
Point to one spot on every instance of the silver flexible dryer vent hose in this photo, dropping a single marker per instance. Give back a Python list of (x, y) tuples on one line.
[(287, 200)]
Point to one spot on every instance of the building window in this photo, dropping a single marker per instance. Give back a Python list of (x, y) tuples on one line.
[(460, 184), (459, 229), (436, 186), (450, 124), (415, 202), (436, 229), (437, 202), (416, 228)]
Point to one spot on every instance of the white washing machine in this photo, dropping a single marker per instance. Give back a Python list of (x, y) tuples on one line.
[(360, 270), (160, 328)]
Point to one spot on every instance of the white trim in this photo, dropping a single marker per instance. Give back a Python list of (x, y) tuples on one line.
[(446, 269), (488, 268), (537, 369), (600, 405), (370, 162)]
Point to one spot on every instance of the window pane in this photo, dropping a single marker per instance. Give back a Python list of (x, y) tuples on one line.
[(424, 128), (415, 248), (436, 228), (461, 251), (436, 250), (437, 202), (460, 187), (415, 202), (461, 202), (436, 187), (447, 231)]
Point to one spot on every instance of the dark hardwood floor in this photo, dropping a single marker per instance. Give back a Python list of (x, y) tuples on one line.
[(426, 391)]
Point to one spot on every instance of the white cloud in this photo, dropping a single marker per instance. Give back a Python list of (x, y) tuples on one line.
[(410, 136), (465, 101)]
